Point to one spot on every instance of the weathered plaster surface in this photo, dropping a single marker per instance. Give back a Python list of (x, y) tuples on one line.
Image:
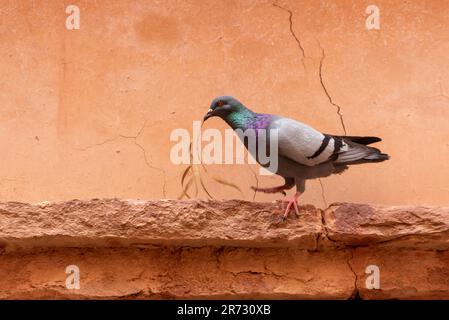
[(87, 113)]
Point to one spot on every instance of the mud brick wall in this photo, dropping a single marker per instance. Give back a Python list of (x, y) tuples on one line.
[(221, 249)]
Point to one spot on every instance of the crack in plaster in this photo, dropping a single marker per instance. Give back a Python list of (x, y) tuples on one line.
[(144, 152), (325, 232), (292, 32), (290, 19), (323, 195), (257, 181), (355, 293), (320, 73)]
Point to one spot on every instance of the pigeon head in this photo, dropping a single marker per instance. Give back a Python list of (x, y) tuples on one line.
[(223, 106)]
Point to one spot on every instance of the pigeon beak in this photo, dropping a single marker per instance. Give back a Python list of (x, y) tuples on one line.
[(209, 114)]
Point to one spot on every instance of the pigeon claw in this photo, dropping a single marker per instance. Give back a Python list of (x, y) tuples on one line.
[(291, 202)]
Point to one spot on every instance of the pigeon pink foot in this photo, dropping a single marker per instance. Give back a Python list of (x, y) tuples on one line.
[(291, 202)]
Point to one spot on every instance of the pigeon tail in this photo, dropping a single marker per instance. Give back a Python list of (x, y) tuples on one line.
[(377, 157), (360, 139), (358, 153)]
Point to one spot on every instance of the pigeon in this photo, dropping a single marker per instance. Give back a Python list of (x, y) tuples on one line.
[(303, 152)]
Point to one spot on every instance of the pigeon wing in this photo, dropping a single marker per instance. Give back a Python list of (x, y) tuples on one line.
[(307, 146), (303, 144)]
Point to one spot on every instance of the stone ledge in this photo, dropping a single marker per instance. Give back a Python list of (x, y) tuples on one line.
[(197, 223), (349, 224), (124, 223)]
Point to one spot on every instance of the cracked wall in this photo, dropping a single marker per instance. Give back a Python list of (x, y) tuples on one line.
[(88, 113), (186, 273)]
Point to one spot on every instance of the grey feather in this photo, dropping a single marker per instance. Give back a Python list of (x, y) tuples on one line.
[(305, 153)]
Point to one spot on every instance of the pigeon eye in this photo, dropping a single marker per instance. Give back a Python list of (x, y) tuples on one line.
[(220, 103)]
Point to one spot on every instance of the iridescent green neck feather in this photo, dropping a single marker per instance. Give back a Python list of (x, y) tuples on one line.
[(240, 119)]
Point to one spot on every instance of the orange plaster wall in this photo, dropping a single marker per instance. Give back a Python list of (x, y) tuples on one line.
[(88, 113)]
